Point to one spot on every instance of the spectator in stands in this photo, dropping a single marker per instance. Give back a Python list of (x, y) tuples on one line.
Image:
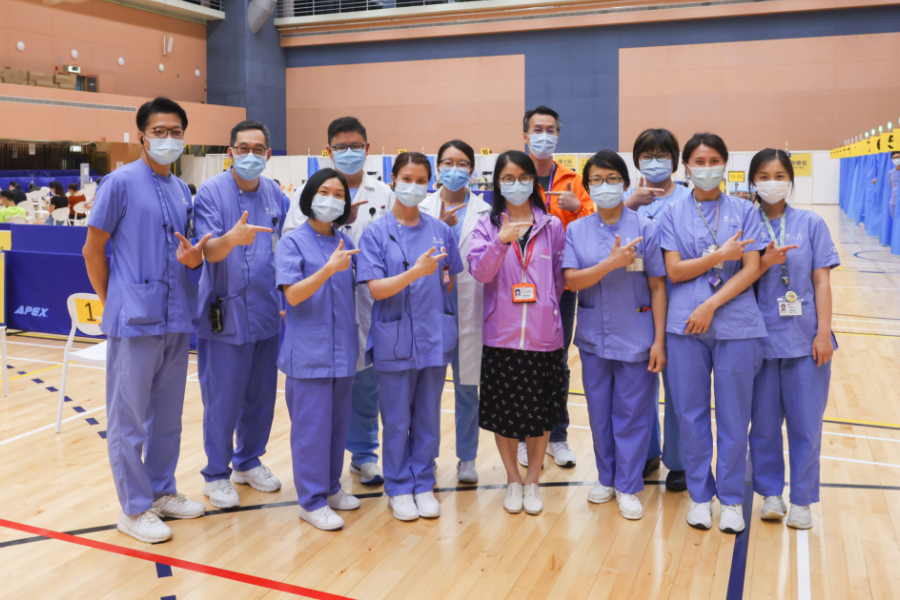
[(18, 194), (59, 200), (75, 197), (9, 209)]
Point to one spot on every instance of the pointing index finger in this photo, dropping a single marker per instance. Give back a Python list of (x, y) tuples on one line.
[(634, 242)]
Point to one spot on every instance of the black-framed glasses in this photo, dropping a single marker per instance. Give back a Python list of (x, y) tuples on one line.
[(164, 132), (662, 156), (612, 180), (244, 151), (523, 179), (343, 147)]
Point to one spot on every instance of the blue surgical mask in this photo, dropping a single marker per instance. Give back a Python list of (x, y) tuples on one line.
[(410, 194), (607, 195), (165, 151), (349, 161), (249, 167), (453, 178), (542, 145), (327, 208), (516, 193), (707, 178), (656, 170)]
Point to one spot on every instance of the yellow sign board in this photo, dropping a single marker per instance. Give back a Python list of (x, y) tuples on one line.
[(401, 151), (802, 163), (566, 160), (889, 142), (581, 162), (324, 153), (88, 311), (5, 240), (736, 176), (226, 164), (485, 151)]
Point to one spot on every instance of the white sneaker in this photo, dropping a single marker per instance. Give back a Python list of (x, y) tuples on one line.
[(343, 501), (513, 501), (732, 518), (177, 506), (601, 494), (322, 518), (427, 505), (532, 502), (700, 515), (221, 493), (369, 473), (562, 454), (773, 508), (629, 506), (800, 517), (404, 507), (259, 478), (522, 454), (145, 527), (466, 472)]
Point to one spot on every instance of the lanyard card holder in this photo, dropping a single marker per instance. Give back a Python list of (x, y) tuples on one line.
[(638, 265), (524, 292)]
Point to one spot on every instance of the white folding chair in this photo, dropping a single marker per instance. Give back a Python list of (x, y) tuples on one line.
[(44, 191), (39, 211), (17, 221), (3, 359), (82, 311), (80, 209), (61, 215), (29, 210)]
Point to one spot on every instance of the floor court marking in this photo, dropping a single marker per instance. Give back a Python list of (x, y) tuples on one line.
[(36, 371), (174, 562), (804, 585), (78, 416)]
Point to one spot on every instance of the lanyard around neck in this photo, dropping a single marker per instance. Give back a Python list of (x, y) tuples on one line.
[(768, 225), (712, 230)]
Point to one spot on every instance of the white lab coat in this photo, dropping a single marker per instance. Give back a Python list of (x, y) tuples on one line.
[(469, 291), (380, 200)]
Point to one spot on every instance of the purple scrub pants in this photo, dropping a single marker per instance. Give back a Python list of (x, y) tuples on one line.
[(735, 363), (621, 397), (237, 384), (795, 390), (145, 378), (410, 418), (320, 419)]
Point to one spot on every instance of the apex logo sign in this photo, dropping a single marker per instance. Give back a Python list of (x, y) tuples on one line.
[(34, 311)]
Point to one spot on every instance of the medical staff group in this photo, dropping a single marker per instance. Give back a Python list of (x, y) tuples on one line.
[(377, 288)]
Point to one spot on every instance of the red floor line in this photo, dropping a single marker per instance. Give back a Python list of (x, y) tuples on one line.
[(174, 562)]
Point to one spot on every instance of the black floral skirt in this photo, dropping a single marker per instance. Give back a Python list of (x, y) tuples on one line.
[(522, 393)]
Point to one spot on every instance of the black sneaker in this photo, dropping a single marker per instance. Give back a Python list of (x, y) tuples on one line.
[(676, 481), (651, 465)]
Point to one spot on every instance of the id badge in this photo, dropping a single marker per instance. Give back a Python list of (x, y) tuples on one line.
[(790, 309), (637, 265), (524, 292), (712, 248), (445, 274)]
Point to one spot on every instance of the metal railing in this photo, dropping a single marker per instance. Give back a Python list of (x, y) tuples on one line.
[(305, 8)]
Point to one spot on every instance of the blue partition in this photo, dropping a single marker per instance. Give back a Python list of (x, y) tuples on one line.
[(867, 203)]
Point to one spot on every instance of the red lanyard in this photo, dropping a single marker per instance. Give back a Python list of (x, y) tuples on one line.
[(528, 255)]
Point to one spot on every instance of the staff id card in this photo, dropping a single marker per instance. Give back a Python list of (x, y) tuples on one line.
[(524, 292), (786, 308), (709, 251), (637, 266)]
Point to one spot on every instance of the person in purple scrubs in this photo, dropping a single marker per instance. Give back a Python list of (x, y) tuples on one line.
[(794, 294), (711, 243), (614, 262), (313, 269), (409, 260)]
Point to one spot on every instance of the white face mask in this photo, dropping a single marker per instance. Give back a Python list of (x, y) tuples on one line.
[(707, 178), (607, 195), (410, 194), (773, 191), (516, 192), (896, 162), (165, 151), (327, 208)]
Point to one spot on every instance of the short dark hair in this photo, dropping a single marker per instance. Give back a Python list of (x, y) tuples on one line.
[(540, 110), (345, 125), (605, 159), (193, 189), (764, 156), (73, 187), (654, 140), (246, 125), (895, 152), (704, 139), (459, 145), (312, 187), (524, 162), (416, 158), (8, 194), (159, 106), (15, 185), (57, 188)]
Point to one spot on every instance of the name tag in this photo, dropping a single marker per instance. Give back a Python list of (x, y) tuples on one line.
[(524, 292), (709, 251), (637, 265), (790, 309), (445, 273)]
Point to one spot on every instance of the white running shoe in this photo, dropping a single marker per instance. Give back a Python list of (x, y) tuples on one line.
[(177, 506), (427, 505), (601, 494), (369, 473), (700, 515), (773, 508), (259, 478), (532, 502), (800, 517), (145, 527), (322, 518), (562, 454), (732, 518), (466, 472), (404, 507), (629, 506), (513, 501), (343, 501), (221, 493), (522, 454)]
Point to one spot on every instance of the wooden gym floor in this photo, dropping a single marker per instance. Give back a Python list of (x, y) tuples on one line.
[(62, 483)]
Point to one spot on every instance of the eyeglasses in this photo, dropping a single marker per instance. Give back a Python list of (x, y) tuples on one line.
[(343, 147), (611, 180), (244, 151), (523, 179), (463, 164), (663, 156), (163, 132)]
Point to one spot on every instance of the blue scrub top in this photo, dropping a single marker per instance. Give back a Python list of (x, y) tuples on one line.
[(417, 327), (609, 322), (245, 280), (792, 337), (653, 210), (149, 291), (682, 230), (321, 338)]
